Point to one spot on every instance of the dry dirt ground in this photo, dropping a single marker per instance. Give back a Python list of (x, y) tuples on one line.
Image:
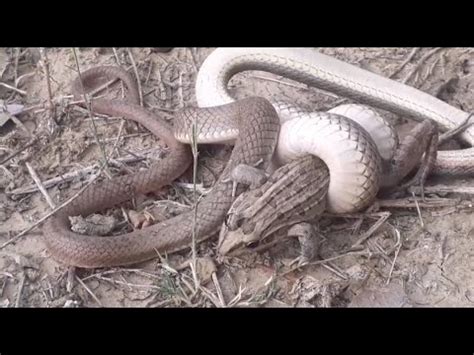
[(411, 261)]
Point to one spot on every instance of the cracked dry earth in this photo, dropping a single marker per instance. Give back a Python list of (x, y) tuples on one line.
[(413, 260)]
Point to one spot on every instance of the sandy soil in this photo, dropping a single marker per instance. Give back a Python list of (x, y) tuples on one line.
[(404, 264)]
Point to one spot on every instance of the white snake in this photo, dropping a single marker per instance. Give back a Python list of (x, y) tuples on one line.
[(352, 186)]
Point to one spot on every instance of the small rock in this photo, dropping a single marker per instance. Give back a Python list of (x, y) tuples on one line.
[(95, 224)]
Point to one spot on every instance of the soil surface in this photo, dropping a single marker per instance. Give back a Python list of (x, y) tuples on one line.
[(415, 259)]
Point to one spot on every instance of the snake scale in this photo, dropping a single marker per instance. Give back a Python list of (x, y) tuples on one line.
[(259, 124), (256, 131)]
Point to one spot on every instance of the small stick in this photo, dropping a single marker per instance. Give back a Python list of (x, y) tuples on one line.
[(148, 75), (44, 60), (430, 69), (56, 180), (7, 172), (117, 139), (333, 270), (384, 216), (14, 154), (326, 260), (89, 291), (19, 124), (394, 258), (140, 94), (21, 77), (117, 59), (405, 62), (180, 90), (21, 92), (38, 182), (237, 297), (195, 152), (46, 216), (455, 131), (429, 203), (422, 60), (422, 224), (118, 282), (17, 59), (89, 108), (210, 296), (193, 57), (71, 275), (300, 86), (436, 189), (132, 135), (20, 289), (218, 289)]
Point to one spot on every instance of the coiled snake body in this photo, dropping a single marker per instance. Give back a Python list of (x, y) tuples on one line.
[(255, 118), (257, 131)]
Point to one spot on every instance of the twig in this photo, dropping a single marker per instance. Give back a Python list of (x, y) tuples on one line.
[(334, 271), (77, 173), (89, 108), (428, 203), (237, 297), (17, 59), (45, 62), (297, 86), (325, 260), (148, 75), (430, 69), (383, 217), (71, 275), (422, 224), (14, 154), (45, 217), (422, 60), (117, 59), (118, 282), (24, 76), (89, 291), (394, 258), (211, 296), (38, 183), (131, 135), (455, 131), (405, 62), (437, 189), (140, 94), (194, 150), (180, 89), (117, 139), (21, 92), (20, 289), (19, 124), (218, 289), (193, 57)]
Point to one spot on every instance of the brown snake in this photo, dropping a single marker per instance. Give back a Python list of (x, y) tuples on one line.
[(355, 173), (257, 121), (258, 126)]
